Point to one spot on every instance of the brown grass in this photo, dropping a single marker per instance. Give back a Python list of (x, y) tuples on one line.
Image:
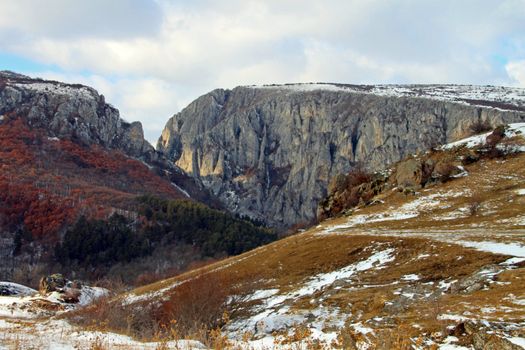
[(290, 262)]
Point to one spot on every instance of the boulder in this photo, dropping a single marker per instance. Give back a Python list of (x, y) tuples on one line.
[(476, 281), (409, 174), (52, 283)]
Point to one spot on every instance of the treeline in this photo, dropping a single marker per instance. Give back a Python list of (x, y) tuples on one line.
[(95, 243)]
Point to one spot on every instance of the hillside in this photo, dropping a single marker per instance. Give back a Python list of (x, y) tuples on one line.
[(269, 152), (420, 269), (65, 156)]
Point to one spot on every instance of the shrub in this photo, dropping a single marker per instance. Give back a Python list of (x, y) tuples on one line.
[(496, 136), (479, 127), (196, 304), (446, 171), (357, 176)]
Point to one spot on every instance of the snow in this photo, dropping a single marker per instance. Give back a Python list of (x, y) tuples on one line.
[(452, 317), (89, 294), (181, 190), (512, 298), (82, 92), (26, 304), (444, 285), (323, 280), (473, 141), (60, 335), (262, 294), (406, 211), (412, 277), (513, 97), (520, 192), (15, 289), (274, 311), (517, 341), (362, 329), (448, 346), (469, 142), (513, 249)]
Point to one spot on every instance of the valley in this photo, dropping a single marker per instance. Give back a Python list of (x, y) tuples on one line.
[(382, 235)]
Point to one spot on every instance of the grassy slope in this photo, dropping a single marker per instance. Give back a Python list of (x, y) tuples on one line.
[(424, 245)]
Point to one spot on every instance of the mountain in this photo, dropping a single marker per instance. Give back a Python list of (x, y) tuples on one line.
[(269, 152), (81, 191), (426, 252), (71, 111)]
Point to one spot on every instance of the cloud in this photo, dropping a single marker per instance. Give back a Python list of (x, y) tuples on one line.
[(65, 19), (152, 57), (516, 70)]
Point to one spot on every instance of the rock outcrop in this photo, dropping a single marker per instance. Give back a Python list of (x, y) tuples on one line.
[(270, 152), (71, 111)]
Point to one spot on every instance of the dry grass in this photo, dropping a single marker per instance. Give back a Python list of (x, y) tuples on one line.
[(489, 198)]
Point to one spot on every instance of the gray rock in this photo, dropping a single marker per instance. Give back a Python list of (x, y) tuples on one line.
[(270, 153), (409, 174), (476, 281), (71, 111)]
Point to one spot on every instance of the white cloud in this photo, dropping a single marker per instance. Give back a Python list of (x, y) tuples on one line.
[(516, 70), (153, 57)]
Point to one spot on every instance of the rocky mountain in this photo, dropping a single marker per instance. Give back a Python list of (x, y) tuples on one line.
[(269, 152), (71, 111), (83, 193)]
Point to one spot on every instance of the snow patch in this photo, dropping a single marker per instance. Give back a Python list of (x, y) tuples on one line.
[(275, 312), (262, 294), (320, 281), (82, 92), (517, 341), (513, 249), (15, 289), (514, 129), (412, 277)]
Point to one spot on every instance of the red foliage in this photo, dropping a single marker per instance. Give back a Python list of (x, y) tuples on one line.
[(46, 184)]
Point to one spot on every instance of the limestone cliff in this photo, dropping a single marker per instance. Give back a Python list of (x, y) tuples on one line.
[(71, 111), (269, 152)]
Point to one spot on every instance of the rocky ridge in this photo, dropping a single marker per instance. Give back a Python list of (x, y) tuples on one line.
[(71, 111), (269, 152)]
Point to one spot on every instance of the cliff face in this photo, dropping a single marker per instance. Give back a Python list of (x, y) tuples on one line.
[(71, 111), (269, 152)]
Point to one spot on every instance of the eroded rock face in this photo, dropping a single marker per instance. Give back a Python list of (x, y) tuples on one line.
[(270, 153), (70, 111)]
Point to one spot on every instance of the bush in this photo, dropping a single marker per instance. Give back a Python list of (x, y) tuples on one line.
[(479, 127), (197, 304), (496, 136)]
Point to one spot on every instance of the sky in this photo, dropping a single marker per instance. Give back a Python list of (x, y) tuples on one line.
[(150, 58)]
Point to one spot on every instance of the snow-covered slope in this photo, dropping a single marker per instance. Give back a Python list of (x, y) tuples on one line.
[(14, 289), (515, 129), (504, 98)]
